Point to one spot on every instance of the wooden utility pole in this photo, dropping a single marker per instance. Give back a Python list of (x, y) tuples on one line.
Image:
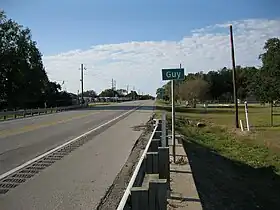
[(82, 82), (234, 77)]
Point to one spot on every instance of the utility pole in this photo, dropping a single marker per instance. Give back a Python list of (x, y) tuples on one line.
[(234, 77), (127, 87), (112, 84), (82, 82), (133, 96), (78, 100)]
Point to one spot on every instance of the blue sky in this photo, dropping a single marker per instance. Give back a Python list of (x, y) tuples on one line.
[(131, 41), (63, 25)]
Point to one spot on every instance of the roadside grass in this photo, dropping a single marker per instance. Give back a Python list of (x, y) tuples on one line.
[(259, 147), (259, 119), (232, 169)]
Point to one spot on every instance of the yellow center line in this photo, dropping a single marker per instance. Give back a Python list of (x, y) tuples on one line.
[(12, 132)]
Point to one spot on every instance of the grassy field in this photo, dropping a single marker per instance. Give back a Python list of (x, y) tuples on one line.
[(232, 169)]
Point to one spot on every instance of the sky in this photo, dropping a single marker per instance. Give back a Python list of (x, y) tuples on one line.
[(131, 41)]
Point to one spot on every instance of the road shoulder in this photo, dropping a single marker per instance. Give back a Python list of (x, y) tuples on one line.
[(82, 178)]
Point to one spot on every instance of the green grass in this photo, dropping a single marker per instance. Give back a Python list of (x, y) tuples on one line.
[(258, 148)]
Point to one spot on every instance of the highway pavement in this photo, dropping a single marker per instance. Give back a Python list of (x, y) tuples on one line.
[(80, 179), (24, 139)]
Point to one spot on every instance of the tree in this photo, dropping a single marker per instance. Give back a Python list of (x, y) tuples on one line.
[(90, 93), (122, 92), (267, 80), (23, 80), (133, 95), (194, 90), (109, 93)]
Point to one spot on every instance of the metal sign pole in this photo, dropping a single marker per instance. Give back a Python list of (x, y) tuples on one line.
[(163, 130), (173, 121), (173, 74)]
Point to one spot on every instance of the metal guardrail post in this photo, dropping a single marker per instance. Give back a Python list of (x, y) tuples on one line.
[(152, 163), (158, 194), (139, 198), (154, 145), (157, 135), (164, 167), (141, 174)]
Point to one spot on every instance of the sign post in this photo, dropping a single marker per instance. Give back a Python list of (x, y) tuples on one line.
[(173, 74)]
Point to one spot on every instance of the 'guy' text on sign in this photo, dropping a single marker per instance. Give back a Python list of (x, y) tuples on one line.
[(173, 74)]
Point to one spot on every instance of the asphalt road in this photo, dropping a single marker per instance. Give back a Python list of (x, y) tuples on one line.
[(80, 179), (24, 139)]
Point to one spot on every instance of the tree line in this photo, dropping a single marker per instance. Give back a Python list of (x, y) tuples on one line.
[(117, 93), (23, 80), (261, 84)]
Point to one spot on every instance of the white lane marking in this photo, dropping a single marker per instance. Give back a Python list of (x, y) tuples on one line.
[(2, 176)]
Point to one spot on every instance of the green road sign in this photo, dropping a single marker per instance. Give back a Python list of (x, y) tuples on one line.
[(173, 74)]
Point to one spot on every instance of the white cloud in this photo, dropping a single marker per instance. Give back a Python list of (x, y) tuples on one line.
[(139, 64)]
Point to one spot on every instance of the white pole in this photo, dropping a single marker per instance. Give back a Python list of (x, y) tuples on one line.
[(241, 125), (246, 115)]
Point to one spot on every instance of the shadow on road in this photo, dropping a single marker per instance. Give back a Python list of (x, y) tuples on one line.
[(226, 184)]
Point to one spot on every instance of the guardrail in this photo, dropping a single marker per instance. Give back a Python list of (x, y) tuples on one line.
[(30, 112), (149, 185)]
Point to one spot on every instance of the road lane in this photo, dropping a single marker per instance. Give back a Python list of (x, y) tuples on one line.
[(25, 139), (80, 179)]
